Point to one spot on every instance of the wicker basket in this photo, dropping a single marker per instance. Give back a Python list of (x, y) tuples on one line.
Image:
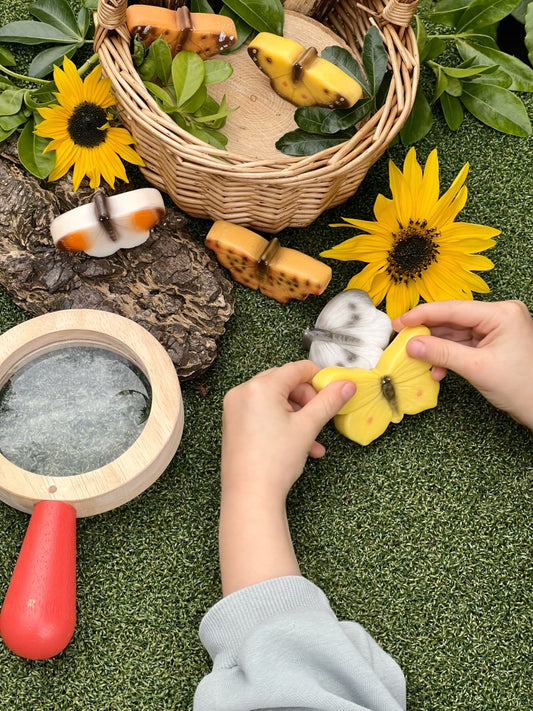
[(280, 191)]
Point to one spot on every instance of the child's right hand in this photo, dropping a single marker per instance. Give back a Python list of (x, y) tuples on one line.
[(489, 344)]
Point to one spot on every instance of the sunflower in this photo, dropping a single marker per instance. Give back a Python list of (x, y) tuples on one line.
[(415, 249), (80, 129)]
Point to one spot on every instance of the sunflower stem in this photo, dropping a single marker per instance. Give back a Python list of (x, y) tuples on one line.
[(89, 64), (15, 75)]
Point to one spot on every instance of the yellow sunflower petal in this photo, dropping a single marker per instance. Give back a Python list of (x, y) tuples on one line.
[(401, 195), (428, 194), (458, 231), (398, 300), (412, 173), (365, 280), (68, 83), (435, 214)]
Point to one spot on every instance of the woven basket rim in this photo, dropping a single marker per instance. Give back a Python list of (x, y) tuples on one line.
[(113, 49)]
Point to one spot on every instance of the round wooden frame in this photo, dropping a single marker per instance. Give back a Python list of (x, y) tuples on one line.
[(141, 464)]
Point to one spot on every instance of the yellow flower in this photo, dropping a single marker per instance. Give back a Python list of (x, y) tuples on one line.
[(415, 249), (80, 129)]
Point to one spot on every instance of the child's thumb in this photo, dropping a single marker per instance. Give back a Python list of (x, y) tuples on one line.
[(329, 401)]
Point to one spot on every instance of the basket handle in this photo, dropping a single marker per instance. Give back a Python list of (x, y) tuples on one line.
[(399, 12), (110, 19)]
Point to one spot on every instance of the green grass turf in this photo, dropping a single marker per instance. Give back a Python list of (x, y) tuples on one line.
[(424, 536)]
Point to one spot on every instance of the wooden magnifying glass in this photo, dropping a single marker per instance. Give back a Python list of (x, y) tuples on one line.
[(67, 378)]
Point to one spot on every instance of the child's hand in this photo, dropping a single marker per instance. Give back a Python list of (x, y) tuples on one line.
[(270, 424), (489, 344)]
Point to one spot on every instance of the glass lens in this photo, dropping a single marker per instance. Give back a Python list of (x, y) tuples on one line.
[(72, 410)]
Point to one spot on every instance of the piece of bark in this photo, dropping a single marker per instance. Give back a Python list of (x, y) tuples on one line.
[(170, 284)]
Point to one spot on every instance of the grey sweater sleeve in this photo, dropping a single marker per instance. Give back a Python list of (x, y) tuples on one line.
[(278, 645)]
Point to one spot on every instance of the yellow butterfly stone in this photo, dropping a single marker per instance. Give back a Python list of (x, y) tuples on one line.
[(399, 385), (300, 75)]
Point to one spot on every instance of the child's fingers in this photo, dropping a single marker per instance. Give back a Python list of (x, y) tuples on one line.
[(445, 354), (452, 313), (327, 403)]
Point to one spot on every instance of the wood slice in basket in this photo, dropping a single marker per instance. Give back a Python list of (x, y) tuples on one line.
[(262, 116)]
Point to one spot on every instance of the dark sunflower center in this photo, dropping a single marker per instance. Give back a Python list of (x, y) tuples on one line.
[(84, 126), (413, 250)]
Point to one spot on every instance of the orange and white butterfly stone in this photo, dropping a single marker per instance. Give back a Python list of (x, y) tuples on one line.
[(107, 224)]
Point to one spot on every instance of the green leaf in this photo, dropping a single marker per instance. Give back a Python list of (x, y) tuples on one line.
[(496, 77), (161, 57), (483, 13), (11, 101), (201, 6), (375, 59), (441, 83), (216, 71), (139, 53), (30, 149), (6, 57), (196, 101), (448, 12), (43, 63), (301, 143), (188, 75), (90, 4), (464, 72), (529, 32), (316, 119), (6, 134), (10, 123), (243, 29), (214, 138), (419, 121), (454, 86), (381, 96), (84, 20), (59, 14), (433, 48), (497, 107), (161, 95), (262, 15), (420, 33), (520, 73), (32, 32), (519, 13), (452, 110), (211, 107), (348, 63)]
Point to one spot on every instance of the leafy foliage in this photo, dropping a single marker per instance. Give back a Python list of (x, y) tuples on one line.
[(320, 128), (179, 87), (484, 81), (55, 25)]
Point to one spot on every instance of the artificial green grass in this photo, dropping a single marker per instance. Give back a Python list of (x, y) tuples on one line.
[(424, 536)]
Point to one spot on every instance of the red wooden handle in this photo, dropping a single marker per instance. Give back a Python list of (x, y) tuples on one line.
[(38, 616)]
